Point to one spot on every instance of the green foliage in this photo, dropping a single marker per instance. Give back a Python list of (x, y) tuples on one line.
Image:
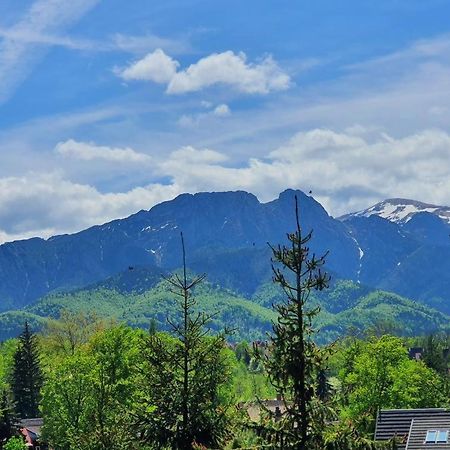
[(248, 320), (434, 347), (15, 443), (87, 398), (27, 375), (164, 398), (7, 417), (11, 322), (72, 329), (344, 306), (186, 377), (378, 374), (243, 352), (7, 351), (249, 384), (343, 435), (348, 306)]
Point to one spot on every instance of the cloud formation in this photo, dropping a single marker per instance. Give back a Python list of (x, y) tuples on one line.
[(227, 68), (346, 170), (88, 151), (156, 67), (222, 110), (45, 205), (195, 120)]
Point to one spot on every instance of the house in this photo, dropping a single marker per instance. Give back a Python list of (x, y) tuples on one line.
[(31, 431), (415, 353), (415, 429), (274, 407)]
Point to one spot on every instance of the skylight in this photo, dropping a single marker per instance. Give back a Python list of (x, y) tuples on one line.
[(442, 436), (431, 437), (436, 436)]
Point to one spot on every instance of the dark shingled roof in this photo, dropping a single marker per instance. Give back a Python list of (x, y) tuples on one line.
[(397, 422), (418, 432)]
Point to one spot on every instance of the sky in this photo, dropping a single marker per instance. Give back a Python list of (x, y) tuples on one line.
[(108, 107)]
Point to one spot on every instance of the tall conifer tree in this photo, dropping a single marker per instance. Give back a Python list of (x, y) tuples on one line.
[(26, 380), (295, 361), (185, 377)]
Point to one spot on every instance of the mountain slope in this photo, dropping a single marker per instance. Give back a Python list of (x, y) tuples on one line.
[(219, 228), (226, 235), (345, 306)]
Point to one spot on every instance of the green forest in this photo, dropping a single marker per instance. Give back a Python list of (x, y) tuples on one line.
[(196, 374), (146, 300)]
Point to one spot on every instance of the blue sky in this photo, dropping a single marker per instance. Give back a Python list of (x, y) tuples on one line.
[(108, 107)]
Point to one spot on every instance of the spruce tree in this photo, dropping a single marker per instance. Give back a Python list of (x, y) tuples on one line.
[(295, 363), (26, 380), (185, 377)]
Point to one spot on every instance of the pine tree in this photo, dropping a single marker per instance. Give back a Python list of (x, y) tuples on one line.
[(26, 380), (295, 363), (185, 377)]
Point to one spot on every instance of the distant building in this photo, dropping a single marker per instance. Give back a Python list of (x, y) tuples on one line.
[(276, 408), (415, 429), (31, 431), (415, 353)]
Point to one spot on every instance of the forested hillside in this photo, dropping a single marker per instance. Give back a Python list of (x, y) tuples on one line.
[(141, 298)]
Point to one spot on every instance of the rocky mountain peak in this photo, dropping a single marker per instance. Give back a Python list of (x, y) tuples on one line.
[(402, 210)]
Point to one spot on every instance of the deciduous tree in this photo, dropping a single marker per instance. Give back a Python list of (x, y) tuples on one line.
[(88, 398), (381, 375)]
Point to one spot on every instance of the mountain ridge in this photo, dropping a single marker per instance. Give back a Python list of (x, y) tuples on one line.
[(226, 236)]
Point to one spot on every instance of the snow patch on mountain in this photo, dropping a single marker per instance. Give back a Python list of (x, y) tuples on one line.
[(400, 210)]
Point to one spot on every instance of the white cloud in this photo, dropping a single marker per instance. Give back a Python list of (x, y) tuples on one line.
[(222, 110), (230, 69), (189, 120), (27, 36), (191, 156), (345, 171), (19, 56), (194, 120), (88, 151), (44, 205), (118, 42), (156, 67), (225, 68)]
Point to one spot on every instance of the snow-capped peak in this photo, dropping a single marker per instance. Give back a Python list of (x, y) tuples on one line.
[(401, 210)]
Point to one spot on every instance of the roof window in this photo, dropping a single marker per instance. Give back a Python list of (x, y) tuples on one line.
[(436, 437)]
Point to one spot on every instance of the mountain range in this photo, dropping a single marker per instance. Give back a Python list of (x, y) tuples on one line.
[(401, 246)]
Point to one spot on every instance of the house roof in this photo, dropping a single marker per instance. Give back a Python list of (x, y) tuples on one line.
[(397, 423), (34, 424), (419, 429), (30, 437), (254, 408)]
